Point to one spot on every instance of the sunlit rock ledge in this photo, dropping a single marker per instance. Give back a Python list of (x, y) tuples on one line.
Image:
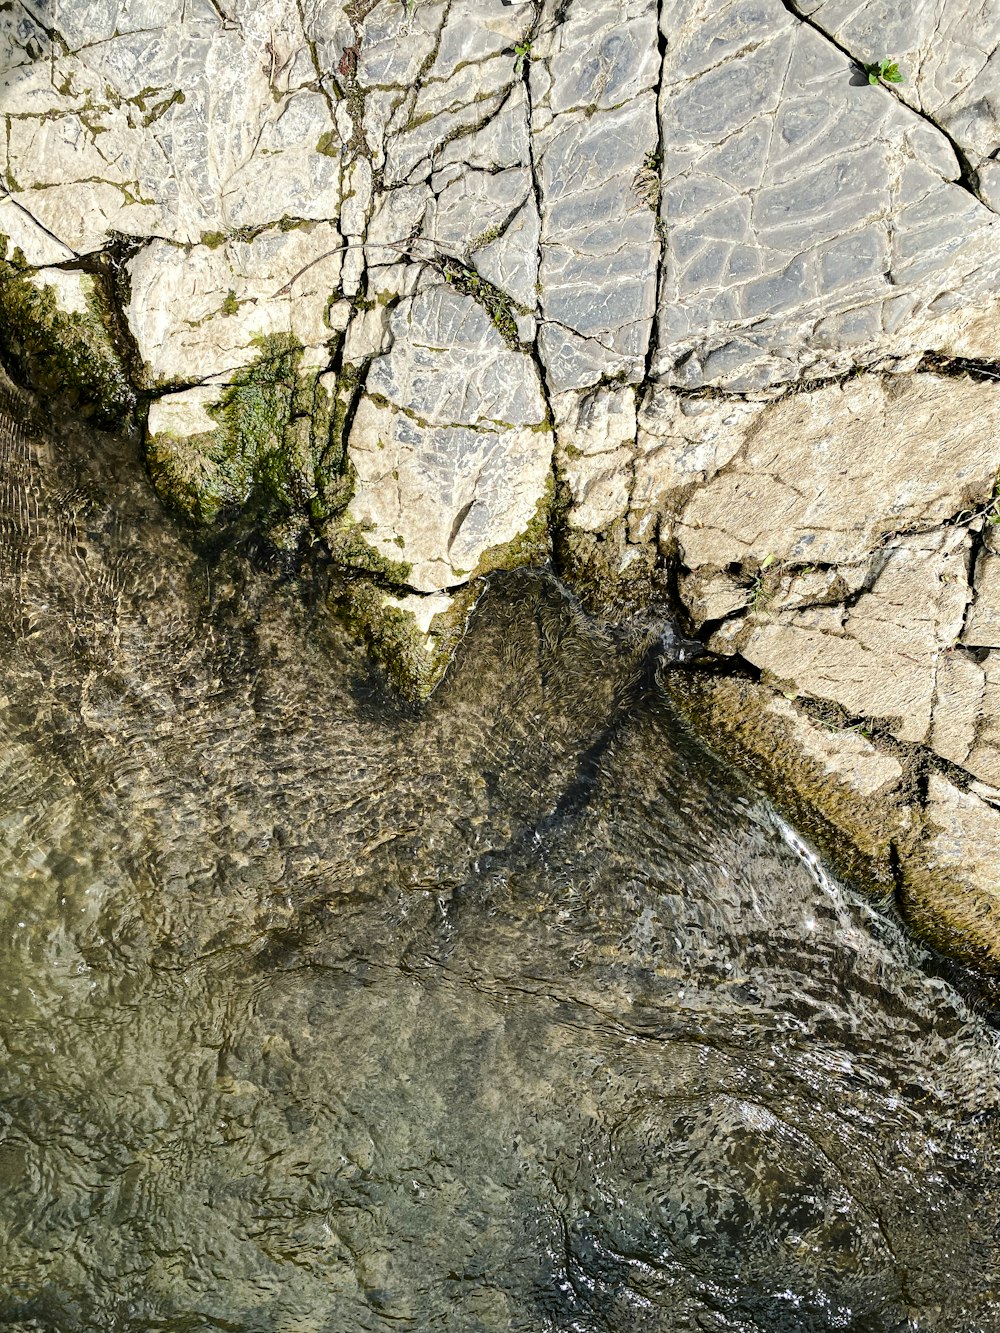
[(671, 294)]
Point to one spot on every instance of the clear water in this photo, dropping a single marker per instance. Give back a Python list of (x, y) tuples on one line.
[(517, 1012)]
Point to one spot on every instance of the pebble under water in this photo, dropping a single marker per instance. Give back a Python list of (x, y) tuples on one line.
[(517, 1011)]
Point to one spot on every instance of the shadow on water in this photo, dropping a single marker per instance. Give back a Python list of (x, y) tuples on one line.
[(512, 1012)]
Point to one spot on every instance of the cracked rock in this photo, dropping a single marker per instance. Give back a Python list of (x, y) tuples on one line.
[(822, 477), (595, 441), (878, 657), (966, 727), (594, 130), (948, 55), (814, 222), (982, 626), (950, 886), (448, 468), (200, 312)]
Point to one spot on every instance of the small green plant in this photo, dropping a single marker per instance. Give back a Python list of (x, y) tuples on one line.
[(522, 54), (647, 182), (884, 71), (760, 594)]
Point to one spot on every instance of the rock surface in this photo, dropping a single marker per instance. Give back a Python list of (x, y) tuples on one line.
[(667, 281), (448, 466)]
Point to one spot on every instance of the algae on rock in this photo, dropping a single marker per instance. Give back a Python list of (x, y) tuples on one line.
[(264, 441), (54, 334), (412, 637)]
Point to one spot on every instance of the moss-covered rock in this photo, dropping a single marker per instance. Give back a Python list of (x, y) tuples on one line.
[(533, 546), (854, 798), (613, 577), (412, 637), (258, 444), (948, 887), (54, 334)]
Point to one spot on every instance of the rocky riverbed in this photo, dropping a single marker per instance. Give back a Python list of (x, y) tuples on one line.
[(671, 293)]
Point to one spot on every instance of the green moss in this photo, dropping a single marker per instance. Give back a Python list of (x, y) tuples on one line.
[(486, 237), (348, 544), (498, 305), (334, 486), (193, 474), (262, 457), (176, 98), (230, 305), (63, 355), (414, 662), (532, 547), (329, 144)]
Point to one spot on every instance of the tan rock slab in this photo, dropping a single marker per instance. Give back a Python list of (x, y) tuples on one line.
[(824, 476), (879, 657)]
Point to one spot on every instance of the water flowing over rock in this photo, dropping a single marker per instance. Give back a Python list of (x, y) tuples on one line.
[(666, 290)]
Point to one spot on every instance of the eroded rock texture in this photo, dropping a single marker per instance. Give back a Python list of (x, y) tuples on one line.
[(425, 281)]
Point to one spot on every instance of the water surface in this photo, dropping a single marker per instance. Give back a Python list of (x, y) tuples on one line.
[(514, 1012)]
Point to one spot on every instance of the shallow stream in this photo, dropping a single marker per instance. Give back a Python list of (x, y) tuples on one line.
[(514, 1012)]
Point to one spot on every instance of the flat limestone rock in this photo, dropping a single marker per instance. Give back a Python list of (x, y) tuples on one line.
[(397, 276), (170, 121), (449, 446), (982, 625), (825, 476), (595, 434), (718, 170), (814, 222), (966, 725), (947, 54), (879, 656)]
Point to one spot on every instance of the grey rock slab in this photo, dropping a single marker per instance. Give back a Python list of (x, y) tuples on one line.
[(573, 362), (394, 45), (412, 153), (599, 245), (802, 206), (683, 441), (190, 124), (511, 261), (475, 30), (24, 234), (825, 476), (448, 446), (449, 366), (982, 626), (966, 728), (601, 55), (474, 205), (503, 141), (966, 723), (595, 443), (954, 880), (949, 55), (396, 216)]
